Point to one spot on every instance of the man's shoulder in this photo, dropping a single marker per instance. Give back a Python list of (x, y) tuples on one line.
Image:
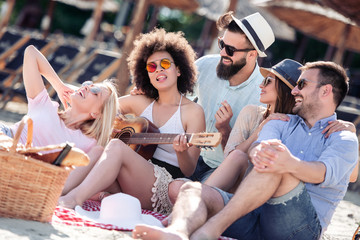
[(208, 59), (291, 122)]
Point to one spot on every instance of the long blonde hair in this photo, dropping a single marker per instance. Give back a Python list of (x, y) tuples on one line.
[(100, 128)]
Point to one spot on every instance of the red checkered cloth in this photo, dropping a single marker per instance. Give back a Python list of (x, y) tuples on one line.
[(69, 217)]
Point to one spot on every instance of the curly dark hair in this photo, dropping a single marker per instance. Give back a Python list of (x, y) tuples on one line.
[(179, 49)]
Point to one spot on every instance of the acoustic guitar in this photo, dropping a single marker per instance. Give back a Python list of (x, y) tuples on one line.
[(143, 136)]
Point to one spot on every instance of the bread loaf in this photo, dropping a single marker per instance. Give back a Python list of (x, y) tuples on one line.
[(76, 157)]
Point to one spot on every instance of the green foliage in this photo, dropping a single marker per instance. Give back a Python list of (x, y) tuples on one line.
[(69, 19), (175, 20)]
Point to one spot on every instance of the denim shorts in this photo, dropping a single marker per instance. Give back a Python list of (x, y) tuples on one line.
[(291, 216), (202, 171), (6, 130)]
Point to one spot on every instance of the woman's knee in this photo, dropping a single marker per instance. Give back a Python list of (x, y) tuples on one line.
[(115, 146), (174, 189), (237, 157)]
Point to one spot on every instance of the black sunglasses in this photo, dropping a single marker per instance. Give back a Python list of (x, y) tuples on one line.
[(229, 49), (301, 83)]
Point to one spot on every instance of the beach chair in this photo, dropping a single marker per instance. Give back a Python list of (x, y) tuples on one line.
[(11, 74), (63, 59), (9, 43), (99, 66), (349, 110)]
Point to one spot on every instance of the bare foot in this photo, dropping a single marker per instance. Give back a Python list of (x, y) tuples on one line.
[(67, 202), (146, 232), (166, 221), (100, 196)]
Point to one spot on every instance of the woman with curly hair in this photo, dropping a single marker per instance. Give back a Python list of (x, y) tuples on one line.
[(162, 66)]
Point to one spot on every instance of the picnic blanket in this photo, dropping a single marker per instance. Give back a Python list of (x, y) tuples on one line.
[(70, 217)]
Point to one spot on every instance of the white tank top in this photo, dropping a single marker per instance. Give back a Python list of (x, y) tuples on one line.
[(166, 152)]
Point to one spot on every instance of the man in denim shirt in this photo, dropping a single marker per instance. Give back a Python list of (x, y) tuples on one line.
[(229, 81), (298, 178)]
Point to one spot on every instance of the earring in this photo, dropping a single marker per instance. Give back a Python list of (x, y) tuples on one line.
[(93, 115)]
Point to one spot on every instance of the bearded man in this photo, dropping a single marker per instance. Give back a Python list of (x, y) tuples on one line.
[(235, 83)]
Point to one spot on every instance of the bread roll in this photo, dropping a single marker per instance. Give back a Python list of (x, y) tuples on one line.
[(76, 157)]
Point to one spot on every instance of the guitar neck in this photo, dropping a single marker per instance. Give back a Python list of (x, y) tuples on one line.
[(153, 138)]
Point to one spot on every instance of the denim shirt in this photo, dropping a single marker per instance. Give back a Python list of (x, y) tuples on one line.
[(338, 152), (211, 91)]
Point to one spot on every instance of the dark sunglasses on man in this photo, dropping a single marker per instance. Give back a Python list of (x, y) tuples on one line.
[(230, 49), (301, 83)]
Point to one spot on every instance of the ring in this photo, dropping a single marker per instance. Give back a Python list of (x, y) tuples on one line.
[(177, 144)]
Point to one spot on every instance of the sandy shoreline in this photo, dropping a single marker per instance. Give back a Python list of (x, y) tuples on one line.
[(342, 227)]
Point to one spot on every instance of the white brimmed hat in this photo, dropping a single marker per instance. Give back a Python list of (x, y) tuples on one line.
[(121, 210), (258, 31)]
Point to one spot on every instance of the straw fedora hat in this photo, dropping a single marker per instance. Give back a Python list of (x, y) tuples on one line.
[(257, 30)]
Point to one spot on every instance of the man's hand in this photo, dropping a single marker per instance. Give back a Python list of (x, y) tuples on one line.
[(271, 156), (223, 117)]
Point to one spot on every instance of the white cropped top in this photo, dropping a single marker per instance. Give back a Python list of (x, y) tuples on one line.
[(166, 152)]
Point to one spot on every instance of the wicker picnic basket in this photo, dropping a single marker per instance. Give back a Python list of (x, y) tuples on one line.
[(29, 188)]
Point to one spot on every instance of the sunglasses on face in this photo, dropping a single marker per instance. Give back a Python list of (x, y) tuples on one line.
[(229, 49), (301, 83), (93, 88), (267, 81), (164, 63)]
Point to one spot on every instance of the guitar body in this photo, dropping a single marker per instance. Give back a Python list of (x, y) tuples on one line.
[(124, 128)]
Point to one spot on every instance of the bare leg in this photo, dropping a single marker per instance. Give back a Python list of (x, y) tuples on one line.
[(80, 173), (118, 162), (174, 189), (195, 204), (253, 192), (230, 172)]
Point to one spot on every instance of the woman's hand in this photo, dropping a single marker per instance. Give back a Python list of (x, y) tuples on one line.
[(338, 125), (135, 91), (180, 143), (64, 93), (273, 116)]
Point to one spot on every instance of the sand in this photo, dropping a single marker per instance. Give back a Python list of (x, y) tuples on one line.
[(342, 227)]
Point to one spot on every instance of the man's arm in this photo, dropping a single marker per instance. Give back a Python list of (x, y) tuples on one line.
[(272, 156)]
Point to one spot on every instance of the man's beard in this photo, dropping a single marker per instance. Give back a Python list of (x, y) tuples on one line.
[(307, 109), (227, 71)]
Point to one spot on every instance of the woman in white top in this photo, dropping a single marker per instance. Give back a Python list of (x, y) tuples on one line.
[(276, 93), (86, 122), (162, 66)]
